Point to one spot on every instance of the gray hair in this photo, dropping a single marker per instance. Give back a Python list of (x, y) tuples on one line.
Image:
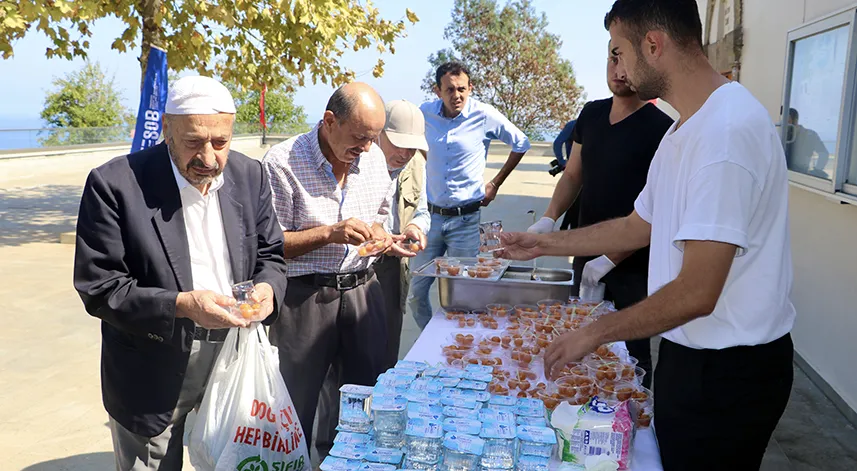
[(342, 103)]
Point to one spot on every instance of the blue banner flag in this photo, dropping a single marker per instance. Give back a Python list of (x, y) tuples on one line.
[(152, 101)]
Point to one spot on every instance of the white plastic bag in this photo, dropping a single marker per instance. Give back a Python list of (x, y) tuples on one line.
[(247, 421)]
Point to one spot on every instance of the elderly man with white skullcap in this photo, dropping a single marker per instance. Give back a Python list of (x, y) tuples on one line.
[(162, 235)]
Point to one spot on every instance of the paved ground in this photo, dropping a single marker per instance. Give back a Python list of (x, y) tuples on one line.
[(51, 417)]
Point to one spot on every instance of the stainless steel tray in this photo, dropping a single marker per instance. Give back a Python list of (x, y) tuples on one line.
[(429, 269), (515, 286)]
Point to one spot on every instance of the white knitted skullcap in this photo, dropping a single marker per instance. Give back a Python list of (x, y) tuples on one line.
[(199, 95)]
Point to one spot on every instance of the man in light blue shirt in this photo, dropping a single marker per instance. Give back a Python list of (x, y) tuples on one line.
[(458, 130)]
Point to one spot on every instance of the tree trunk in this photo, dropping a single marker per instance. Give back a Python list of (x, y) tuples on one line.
[(153, 33)]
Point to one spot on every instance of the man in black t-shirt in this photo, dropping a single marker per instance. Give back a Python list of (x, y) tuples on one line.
[(615, 140)]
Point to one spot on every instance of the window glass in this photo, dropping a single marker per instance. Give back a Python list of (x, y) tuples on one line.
[(815, 99)]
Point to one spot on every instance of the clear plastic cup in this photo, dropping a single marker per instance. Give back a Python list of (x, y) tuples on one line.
[(245, 306), (486, 347), (452, 268), (615, 393), (639, 375), (605, 353), (544, 340), (484, 360), (465, 339), (551, 397), (467, 321), (514, 327), (455, 313), (645, 412), (626, 369), (586, 388), (487, 321), (499, 310), (482, 271), (498, 387), (530, 311), (624, 390), (642, 395), (568, 369), (370, 247), (545, 325), (496, 339), (522, 359), (453, 352), (603, 370), (489, 236)]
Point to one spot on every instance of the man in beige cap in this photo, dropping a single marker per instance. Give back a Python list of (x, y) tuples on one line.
[(403, 136), (162, 235)]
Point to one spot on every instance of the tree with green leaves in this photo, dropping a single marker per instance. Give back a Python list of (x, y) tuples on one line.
[(281, 113), (515, 63), (87, 101), (245, 42)]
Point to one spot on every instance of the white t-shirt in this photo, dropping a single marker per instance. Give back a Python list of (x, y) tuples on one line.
[(722, 176)]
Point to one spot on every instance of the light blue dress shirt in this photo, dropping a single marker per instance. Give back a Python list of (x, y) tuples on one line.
[(458, 150)]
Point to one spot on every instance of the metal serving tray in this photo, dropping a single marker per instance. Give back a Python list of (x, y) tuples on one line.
[(514, 287), (429, 269)]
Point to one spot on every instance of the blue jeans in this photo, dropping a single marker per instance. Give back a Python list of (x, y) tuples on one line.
[(457, 236)]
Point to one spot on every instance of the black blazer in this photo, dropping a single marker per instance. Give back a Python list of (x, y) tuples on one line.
[(132, 259)]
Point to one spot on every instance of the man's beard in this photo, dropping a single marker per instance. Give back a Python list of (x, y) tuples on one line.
[(195, 162), (650, 84), (621, 91)]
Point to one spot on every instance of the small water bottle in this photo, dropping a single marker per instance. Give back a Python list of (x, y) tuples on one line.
[(353, 411), (499, 451), (461, 452), (533, 463), (423, 441), (536, 441), (391, 418)]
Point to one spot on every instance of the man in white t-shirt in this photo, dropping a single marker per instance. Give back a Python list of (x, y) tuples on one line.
[(715, 213)]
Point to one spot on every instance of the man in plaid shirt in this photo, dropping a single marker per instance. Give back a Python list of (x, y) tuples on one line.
[(331, 192)]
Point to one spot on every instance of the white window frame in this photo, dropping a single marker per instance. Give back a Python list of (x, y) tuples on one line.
[(837, 185)]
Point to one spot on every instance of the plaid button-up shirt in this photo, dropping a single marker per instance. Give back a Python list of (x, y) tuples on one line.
[(305, 195)]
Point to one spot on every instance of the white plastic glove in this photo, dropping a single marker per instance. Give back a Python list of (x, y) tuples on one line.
[(542, 226), (595, 269)]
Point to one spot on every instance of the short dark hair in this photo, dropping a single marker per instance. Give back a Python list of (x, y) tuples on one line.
[(793, 114), (342, 104), (678, 18), (451, 67)]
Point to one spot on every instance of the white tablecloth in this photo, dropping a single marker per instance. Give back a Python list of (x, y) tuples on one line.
[(427, 348)]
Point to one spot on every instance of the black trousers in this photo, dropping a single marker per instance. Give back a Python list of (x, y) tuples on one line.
[(717, 409), (624, 290), (327, 338), (389, 272)]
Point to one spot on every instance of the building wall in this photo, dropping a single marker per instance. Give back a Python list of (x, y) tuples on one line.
[(824, 233)]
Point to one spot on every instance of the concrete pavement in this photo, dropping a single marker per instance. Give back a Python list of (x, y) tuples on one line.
[(51, 417)]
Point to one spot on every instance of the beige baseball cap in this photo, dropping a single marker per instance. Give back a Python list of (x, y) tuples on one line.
[(406, 126)]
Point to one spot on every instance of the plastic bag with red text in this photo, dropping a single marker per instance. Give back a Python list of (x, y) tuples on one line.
[(247, 420)]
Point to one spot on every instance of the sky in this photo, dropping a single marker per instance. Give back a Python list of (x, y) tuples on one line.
[(28, 76)]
